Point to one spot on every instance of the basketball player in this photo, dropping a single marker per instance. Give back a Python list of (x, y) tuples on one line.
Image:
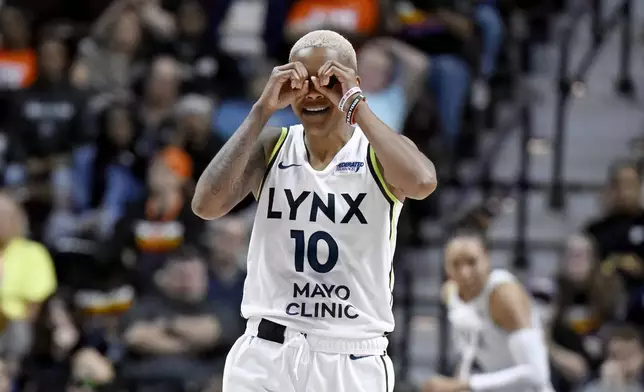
[(318, 292), (494, 324)]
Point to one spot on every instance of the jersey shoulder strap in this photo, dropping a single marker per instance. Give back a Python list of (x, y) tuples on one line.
[(497, 277), (273, 157)]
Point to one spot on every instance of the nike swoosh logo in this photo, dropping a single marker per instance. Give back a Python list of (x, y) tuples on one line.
[(283, 166), (356, 357)]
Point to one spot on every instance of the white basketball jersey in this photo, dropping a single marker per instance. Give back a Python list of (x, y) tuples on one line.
[(322, 246), (476, 333)]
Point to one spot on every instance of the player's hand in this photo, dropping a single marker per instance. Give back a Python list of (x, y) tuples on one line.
[(444, 384), (286, 84), (448, 290), (346, 77)]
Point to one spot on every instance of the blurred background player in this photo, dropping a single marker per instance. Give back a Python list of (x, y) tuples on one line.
[(496, 326)]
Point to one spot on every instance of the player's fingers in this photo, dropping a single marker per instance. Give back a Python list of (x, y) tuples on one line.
[(318, 85), (301, 71), (337, 72), (340, 66), (299, 93), (281, 77), (285, 75), (316, 82), (322, 73), (285, 67)]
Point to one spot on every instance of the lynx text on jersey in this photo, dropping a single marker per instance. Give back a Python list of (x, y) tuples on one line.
[(317, 205)]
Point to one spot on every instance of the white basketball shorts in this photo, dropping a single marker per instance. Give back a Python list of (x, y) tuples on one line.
[(272, 358)]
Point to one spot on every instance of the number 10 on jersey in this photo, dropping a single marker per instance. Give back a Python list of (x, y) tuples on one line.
[(309, 249)]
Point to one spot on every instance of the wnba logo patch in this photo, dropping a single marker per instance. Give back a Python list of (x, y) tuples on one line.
[(349, 167)]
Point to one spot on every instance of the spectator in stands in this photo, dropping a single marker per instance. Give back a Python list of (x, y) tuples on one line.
[(174, 338), (586, 300), (623, 370), (111, 58), (275, 46), (55, 336), (100, 304), (448, 36), (18, 64), (28, 280), (113, 177), (194, 134), (620, 232), (134, 138), (228, 240), (389, 73), (488, 19), (160, 222), (47, 119), (106, 61), (205, 69), (155, 112)]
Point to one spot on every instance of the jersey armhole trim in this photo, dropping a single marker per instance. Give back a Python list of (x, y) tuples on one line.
[(372, 161), (271, 159)]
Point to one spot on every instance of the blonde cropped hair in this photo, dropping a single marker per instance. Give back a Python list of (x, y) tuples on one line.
[(330, 40)]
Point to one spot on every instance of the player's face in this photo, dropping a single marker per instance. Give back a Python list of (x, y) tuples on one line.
[(466, 263), (318, 115)]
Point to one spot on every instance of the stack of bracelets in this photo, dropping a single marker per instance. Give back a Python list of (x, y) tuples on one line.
[(358, 97)]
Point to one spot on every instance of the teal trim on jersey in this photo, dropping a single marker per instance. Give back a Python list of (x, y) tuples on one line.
[(375, 170), (394, 206), (271, 159)]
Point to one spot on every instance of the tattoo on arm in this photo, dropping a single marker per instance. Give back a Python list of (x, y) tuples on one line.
[(236, 170), (239, 185), (221, 174)]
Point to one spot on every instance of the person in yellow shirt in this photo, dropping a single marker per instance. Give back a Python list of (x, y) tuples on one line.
[(27, 279)]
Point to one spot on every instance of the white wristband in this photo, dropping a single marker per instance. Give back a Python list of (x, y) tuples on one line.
[(510, 377), (347, 95)]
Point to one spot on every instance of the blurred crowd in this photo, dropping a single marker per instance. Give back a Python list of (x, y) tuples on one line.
[(594, 308), (111, 109)]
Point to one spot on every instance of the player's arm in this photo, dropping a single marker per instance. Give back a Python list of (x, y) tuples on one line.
[(237, 169), (401, 164), (510, 309), (407, 170)]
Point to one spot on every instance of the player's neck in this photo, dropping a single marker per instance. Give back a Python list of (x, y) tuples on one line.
[(469, 295), (324, 148)]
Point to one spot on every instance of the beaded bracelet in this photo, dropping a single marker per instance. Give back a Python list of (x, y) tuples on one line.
[(348, 95), (352, 109)]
